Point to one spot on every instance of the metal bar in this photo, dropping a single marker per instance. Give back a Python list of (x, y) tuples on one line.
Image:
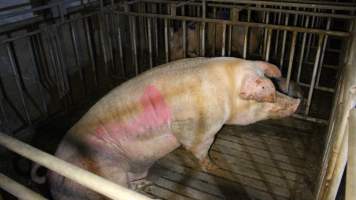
[(5, 122), (240, 23), (36, 77), (311, 119), (281, 61), (253, 6), (103, 43), (265, 35), (323, 53), (17, 80), (311, 89), (277, 34), (268, 45), (291, 59), (90, 51), (121, 53), (310, 39), (184, 33), (166, 45), (202, 53), (85, 178), (229, 40), (132, 22), (17, 189), (300, 63), (149, 41), (76, 55), (321, 88), (351, 161), (223, 42)]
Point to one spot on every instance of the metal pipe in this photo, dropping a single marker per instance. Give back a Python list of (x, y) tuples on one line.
[(17, 189), (300, 63), (202, 53), (277, 34), (323, 53), (351, 160), (76, 55), (121, 53), (134, 45), (281, 61), (268, 47), (276, 3), (321, 88), (149, 32), (85, 178), (312, 84), (291, 58), (265, 34), (229, 40), (166, 45), (17, 81), (90, 51), (36, 77), (240, 23), (311, 119), (223, 38)]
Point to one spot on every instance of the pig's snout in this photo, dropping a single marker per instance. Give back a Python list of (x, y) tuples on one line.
[(284, 106)]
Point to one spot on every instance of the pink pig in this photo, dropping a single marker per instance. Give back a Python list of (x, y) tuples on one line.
[(185, 102)]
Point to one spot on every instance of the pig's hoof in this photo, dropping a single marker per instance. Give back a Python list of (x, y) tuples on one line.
[(140, 184), (208, 165)]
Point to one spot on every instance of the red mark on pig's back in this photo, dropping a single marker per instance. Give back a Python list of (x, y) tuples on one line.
[(155, 114)]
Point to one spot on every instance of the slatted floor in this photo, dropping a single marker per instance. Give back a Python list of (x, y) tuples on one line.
[(262, 161)]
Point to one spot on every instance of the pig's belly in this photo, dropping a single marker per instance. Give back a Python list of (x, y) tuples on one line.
[(143, 147)]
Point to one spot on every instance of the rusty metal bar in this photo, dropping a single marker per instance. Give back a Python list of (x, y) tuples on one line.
[(268, 45), (316, 64), (203, 24)]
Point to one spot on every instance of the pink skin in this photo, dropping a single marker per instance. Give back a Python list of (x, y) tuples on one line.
[(155, 114)]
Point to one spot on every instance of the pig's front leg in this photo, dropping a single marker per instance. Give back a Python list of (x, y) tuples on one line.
[(201, 152)]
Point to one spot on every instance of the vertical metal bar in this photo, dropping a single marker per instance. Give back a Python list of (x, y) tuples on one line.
[(312, 84), (323, 52), (214, 37), (277, 34), (37, 79), (300, 63), (155, 29), (310, 37), (184, 38), (281, 61), (102, 43), (202, 53), (265, 35), (5, 122), (119, 41), (134, 46), (90, 51), (223, 42), (268, 47), (229, 40), (291, 58), (149, 41), (17, 80), (166, 45), (246, 38), (76, 55)]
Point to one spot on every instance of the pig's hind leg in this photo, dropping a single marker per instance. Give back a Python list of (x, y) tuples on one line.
[(138, 181), (201, 152)]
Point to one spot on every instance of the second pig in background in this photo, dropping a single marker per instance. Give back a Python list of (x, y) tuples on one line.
[(217, 36)]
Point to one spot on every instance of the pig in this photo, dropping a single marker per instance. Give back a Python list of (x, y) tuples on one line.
[(192, 45), (193, 40), (181, 103)]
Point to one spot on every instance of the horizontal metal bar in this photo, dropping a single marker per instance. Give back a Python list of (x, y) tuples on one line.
[(249, 7), (321, 88), (247, 24), (314, 4), (85, 178), (13, 14), (311, 119), (17, 189)]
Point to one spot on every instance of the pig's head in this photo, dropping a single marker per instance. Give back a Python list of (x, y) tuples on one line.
[(256, 97)]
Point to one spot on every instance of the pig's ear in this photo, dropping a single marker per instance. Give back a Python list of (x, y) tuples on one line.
[(257, 88), (269, 69)]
